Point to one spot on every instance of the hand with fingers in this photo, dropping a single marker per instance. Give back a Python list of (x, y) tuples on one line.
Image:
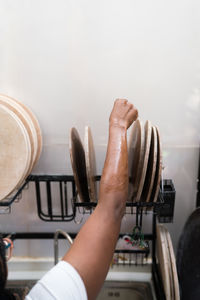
[(123, 114)]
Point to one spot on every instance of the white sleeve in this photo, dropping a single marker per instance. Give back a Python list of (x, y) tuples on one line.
[(60, 283)]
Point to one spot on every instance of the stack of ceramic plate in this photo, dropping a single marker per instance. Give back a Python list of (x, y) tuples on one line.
[(167, 264), (144, 161), (145, 165), (20, 144), (83, 164)]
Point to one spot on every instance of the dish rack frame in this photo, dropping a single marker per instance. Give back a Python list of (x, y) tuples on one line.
[(161, 211)]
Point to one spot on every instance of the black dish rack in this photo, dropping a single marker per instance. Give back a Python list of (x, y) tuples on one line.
[(67, 208), (66, 198)]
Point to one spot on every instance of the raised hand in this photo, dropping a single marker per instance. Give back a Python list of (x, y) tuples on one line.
[(123, 114)]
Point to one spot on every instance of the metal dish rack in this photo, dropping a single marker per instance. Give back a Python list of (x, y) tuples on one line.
[(68, 206)]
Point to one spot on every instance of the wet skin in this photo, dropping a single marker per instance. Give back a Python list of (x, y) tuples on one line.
[(93, 248)]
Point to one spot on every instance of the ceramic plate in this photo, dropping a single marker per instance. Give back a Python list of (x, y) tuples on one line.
[(77, 155), (17, 110), (15, 151), (172, 291), (151, 168), (173, 266), (163, 261), (143, 168), (37, 129), (135, 157), (156, 185), (90, 164)]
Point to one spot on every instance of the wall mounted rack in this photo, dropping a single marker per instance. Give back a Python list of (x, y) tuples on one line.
[(57, 200)]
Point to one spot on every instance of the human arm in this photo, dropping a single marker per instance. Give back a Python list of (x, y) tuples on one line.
[(92, 250)]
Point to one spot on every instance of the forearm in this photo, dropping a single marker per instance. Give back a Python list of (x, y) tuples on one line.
[(114, 181), (96, 240), (92, 250)]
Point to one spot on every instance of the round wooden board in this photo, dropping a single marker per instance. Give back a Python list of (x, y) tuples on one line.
[(77, 155), (17, 110), (135, 156), (145, 151), (151, 168), (163, 261), (15, 151), (173, 265), (90, 160), (156, 185)]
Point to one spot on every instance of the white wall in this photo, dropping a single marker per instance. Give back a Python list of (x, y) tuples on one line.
[(69, 59)]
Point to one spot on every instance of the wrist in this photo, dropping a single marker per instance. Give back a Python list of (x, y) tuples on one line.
[(117, 126)]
